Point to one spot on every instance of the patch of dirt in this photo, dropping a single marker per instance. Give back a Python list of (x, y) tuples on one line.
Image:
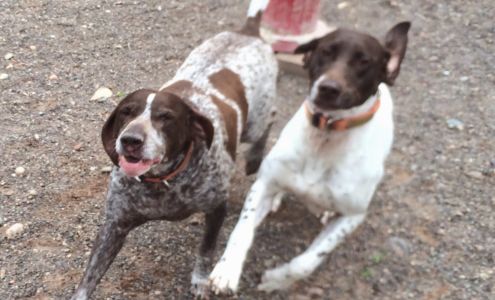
[(429, 232)]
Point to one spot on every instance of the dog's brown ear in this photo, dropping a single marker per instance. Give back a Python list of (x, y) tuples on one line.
[(202, 126), (206, 129), (109, 134), (396, 44), (307, 49)]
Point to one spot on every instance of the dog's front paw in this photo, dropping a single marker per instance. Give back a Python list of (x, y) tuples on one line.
[(199, 287), (224, 278), (276, 279)]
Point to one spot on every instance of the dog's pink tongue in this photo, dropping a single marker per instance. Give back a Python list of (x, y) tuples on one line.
[(135, 169)]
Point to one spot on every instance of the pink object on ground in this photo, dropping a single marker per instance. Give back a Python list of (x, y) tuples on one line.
[(291, 17)]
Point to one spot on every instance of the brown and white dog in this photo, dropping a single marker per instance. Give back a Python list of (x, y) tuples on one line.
[(174, 148), (331, 154)]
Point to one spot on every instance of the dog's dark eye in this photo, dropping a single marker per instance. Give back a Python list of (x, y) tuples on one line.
[(165, 116), (365, 61), (330, 51), (362, 59)]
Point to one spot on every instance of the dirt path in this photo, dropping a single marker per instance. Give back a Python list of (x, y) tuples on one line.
[(430, 230)]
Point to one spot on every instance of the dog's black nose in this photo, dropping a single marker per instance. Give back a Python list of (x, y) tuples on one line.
[(132, 142), (329, 89)]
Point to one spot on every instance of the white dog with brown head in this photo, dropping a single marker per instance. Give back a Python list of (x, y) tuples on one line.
[(331, 154)]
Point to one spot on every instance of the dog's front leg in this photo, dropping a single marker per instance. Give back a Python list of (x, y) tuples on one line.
[(225, 276), (214, 221), (304, 264), (108, 243)]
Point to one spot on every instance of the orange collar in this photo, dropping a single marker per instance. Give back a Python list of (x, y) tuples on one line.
[(182, 166), (320, 121)]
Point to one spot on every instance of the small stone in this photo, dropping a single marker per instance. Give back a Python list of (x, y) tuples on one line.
[(301, 297), (78, 146), (101, 94), (399, 245), (316, 292), (14, 231), (455, 124), (4, 76), (485, 274), (342, 5), (19, 171), (479, 247), (32, 192), (92, 168), (7, 192), (32, 47), (9, 67), (2, 273), (52, 77), (268, 263), (106, 169), (157, 293), (8, 56), (37, 137), (464, 78), (195, 220), (446, 73), (475, 174)]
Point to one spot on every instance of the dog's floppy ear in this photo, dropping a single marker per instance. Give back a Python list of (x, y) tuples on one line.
[(207, 131), (202, 126), (307, 49), (396, 44), (109, 134)]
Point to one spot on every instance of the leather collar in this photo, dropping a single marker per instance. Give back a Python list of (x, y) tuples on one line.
[(319, 121), (181, 167)]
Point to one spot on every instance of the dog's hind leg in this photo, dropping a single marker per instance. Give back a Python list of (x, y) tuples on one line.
[(304, 264), (259, 123), (106, 247), (254, 155), (225, 276), (214, 221)]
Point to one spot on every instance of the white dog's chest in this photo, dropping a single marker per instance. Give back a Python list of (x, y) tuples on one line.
[(330, 184)]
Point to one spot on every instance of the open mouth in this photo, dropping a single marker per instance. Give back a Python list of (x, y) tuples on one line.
[(133, 166)]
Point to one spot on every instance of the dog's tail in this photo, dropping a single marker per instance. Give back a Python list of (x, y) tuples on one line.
[(255, 11)]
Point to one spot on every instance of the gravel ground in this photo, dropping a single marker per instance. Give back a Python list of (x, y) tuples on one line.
[(429, 234)]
